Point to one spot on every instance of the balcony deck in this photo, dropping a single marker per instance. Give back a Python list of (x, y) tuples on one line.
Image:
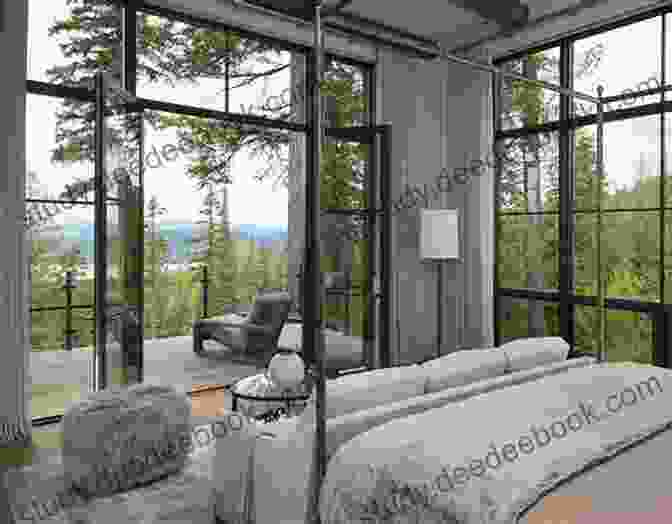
[(59, 377)]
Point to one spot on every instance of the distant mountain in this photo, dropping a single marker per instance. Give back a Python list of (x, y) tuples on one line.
[(180, 236)]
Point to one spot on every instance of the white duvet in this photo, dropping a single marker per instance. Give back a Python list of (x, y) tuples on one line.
[(442, 466)]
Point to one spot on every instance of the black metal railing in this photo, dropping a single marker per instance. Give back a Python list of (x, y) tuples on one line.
[(70, 334)]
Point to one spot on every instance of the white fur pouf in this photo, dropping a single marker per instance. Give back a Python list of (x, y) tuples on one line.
[(124, 437)]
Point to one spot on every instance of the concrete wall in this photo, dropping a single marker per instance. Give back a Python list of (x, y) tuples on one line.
[(440, 117), (14, 300)]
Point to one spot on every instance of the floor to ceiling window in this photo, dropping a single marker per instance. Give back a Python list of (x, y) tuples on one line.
[(546, 200), (225, 121)]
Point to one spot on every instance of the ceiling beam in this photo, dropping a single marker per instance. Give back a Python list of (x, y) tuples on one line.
[(508, 14), (302, 9)]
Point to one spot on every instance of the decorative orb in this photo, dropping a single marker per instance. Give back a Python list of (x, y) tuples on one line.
[(286, 369)]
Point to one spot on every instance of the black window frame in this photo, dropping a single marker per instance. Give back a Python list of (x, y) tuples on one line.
[(128, 43), (660, 312)]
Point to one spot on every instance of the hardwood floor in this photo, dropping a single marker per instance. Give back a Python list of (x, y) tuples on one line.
[(206, 400)]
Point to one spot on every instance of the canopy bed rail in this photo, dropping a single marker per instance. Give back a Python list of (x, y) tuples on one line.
[(312, 291)]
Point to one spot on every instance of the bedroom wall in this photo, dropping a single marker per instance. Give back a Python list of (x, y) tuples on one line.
[(14, 300), (429, 132)]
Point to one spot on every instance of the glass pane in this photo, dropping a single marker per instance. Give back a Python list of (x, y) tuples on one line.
[(524, 104), (69, 42), (188, 64), (216, 195), (65, 245), (346, 91), (59, 150), (668, 160), (124, 241), (631, 165), (347, 287), (630, 251), (343, 177), (668, 257), (668, 55), (60, 377), (268, 81), (585, 248), (529, 180), (528, 251), (607, 59), (629, 334), (522, 318)]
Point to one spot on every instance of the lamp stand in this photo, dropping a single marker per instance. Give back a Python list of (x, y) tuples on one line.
[(439, 307)]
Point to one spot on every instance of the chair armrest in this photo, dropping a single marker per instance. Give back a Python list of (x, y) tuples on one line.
[(232, 324), (255, 329)]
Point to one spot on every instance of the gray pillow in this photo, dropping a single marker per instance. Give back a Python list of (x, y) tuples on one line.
[(527, 353), (463, 367)]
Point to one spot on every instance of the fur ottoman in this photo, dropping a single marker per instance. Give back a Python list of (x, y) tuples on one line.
[(124, 437)]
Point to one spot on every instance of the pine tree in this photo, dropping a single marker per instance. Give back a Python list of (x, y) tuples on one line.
[(156, 250), (251, 272)]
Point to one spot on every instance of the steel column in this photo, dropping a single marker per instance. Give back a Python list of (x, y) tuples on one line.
[(385, 304), (312, 290), (660, 329), (566, 271), (100, 248)]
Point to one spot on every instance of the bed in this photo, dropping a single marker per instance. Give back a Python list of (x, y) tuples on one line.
[(443, 465)]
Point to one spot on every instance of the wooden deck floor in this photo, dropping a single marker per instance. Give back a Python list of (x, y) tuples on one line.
[(60, 377)]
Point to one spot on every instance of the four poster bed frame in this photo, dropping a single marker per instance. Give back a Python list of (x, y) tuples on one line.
[(312, 293), (313, 342)]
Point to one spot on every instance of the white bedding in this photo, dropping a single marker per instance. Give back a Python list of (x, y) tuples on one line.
[(397, 472)]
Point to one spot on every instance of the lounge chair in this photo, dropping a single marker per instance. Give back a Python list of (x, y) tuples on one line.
[(258, 331)]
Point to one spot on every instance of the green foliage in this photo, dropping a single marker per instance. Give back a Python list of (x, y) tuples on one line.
[(528, 99), (173, 52), (629, 241)]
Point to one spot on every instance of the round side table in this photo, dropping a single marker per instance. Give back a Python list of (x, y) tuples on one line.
[(257, 397)]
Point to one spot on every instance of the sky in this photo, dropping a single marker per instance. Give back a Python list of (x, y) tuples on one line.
[(631, 56), (250, 201)]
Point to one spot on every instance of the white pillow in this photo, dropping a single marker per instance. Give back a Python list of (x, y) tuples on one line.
[(527, 353), (373, 388), (463, 367)]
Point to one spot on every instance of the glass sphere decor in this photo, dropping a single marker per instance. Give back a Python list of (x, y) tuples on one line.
[(286, 370)]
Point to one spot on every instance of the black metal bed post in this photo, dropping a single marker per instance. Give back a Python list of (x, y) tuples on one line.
[(601, 281), (99, 379), (312, 288)]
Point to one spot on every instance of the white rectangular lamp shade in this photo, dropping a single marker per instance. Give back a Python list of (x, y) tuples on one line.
[(439, 234)]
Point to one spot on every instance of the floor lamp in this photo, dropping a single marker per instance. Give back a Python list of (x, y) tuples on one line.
[(439, 241)]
